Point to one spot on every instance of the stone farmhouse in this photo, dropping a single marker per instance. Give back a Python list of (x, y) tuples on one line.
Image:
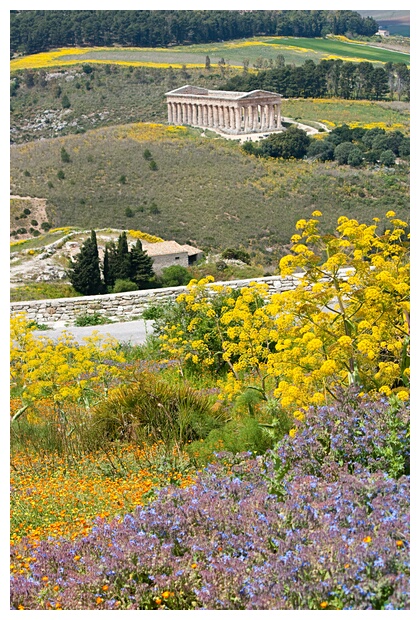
[(226, 111), (168, 253)]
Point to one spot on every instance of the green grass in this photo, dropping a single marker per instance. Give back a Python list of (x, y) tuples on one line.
[(394, 114), (208, 192), (42, 290)]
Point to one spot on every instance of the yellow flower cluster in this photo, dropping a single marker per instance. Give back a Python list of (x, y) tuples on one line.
[(138, 234), (62, 370), (347, 322)]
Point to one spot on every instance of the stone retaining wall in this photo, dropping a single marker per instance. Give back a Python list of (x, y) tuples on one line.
[(124, 306)]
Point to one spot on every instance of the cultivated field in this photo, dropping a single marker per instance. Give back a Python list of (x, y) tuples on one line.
[(294, 50)]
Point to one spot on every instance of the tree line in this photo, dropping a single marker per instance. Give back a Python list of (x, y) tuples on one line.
[(37, 31), (345, 145), (329, 78)]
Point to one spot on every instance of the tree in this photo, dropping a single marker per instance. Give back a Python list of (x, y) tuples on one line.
[(141, 266), (84, 273), (355, 157), (176, 275), (321, 149), (293, 142), (387, 158), (208, 65), (121, 266), (342, 151), (65, 157), (65, 102)]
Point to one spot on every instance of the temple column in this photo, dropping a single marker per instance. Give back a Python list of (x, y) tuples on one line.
[(279, 116), (200, 115), (271, 117), (238, 119), (246, 119), (178, 114), (194, 114), (254, 117), (221, 117), (170, 113), (205, 116), (184, 113), (210, 119), (232, 118), (189, 114)]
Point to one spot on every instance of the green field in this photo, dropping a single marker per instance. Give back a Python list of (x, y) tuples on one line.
[(391, 115), (294, 50), (205, 191)]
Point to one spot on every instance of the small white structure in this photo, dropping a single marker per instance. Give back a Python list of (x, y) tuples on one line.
[(227, 111), (382, 32), (168, 253)]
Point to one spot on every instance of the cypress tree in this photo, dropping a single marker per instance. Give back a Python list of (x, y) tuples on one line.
[(84, 273), (141, 266), (121, 269)]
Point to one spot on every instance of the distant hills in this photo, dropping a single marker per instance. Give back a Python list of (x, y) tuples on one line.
[(397, 22)]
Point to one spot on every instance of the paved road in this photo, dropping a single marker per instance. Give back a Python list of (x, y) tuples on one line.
[(131, 331)]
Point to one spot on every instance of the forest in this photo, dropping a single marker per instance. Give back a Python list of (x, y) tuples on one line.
[(329, 78), (37, 31)]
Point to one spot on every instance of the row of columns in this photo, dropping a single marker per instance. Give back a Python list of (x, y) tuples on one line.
[(235, 118)]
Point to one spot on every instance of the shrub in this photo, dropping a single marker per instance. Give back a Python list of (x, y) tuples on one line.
[(355, 157), (232, 253), (122, 179), (65, 157), (342, 152), (293, 142), (65, 102), (129, 212), (154, 209), (153, 165), (61, 175), (152, 410), (27, 173), (147, 154), (176, 275), (84, 320), (387, 158), (34, 222), (27, 211), (321, 149), (45, 226), (123, 286)]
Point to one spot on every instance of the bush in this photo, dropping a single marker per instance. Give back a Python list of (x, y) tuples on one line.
[(124, 286), (355, 157), (147, 154), (153, 165), (387, 158), (129, 212), (293, 142), (61, 175), (175, 276), (27, 211), (232, 253), (45, 226), (83, 320), (65, 102), (321, 149), (152, 410), (342, 152), (122, 179), (27, 173), (65, 157)]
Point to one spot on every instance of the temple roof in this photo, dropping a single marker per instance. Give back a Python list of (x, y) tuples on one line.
[(219, 94)]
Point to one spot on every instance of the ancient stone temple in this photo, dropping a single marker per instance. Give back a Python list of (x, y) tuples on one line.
[(227, 111)]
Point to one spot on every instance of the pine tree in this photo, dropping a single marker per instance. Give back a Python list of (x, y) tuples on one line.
[(141, 266), (84, 273)]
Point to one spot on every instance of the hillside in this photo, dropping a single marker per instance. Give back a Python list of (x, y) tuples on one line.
[(205, 191)]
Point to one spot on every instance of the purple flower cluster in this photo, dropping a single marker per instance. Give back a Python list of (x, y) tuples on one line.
[(354, 432), (337, 539)]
